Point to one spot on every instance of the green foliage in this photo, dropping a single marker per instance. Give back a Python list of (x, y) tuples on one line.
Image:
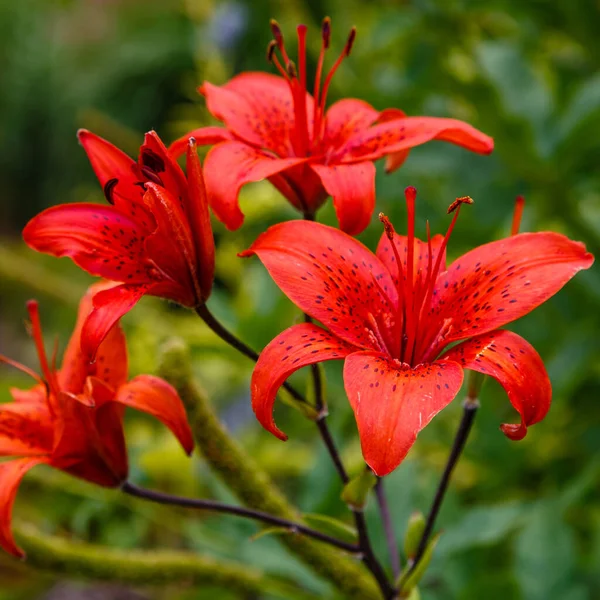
[(522, 520)]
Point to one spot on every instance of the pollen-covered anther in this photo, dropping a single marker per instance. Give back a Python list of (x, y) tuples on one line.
[(458, 202), (387, 226)]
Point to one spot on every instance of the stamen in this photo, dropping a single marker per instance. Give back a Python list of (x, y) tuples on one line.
[(291, 70), (350, 41), (278, 35), (326, 37), (458, 202), (516, 222), (455, 206), (271, 50), (273, 58), (21, 367), (326, 32), (338, 62), (109, 188), (390, 233), (410, 194), (152, 176), (36, 332)]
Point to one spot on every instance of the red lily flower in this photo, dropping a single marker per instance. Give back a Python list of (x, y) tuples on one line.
[(72, 419), (275, 129), (155, 237), (393, 314)]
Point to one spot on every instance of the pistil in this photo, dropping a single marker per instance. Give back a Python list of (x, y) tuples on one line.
[(424, 316)]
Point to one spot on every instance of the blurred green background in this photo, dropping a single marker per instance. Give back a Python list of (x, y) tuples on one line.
[(522, 520)]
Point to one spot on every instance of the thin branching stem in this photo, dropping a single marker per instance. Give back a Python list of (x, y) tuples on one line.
[(470, 407), (240, 511)]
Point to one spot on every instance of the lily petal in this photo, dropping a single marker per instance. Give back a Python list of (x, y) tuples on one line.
[(230, 165), (392, 402), (11, 474), (394, 160), (155, 162), (516, 365), (353, 190), (100, 239), (258, 108), (200, 222), (112, 165), (171, 245), (499, 282), (345, 118), (204, 136), (294, 348), (111, 358), (332, 277), (109, 306), (25, 429), (156, 397), (402, 134)]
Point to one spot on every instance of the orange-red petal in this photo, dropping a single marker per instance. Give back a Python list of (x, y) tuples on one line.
[(402, 134), (230, 165), (158, 398), (353, 190), (332, 277), (11, 474), (392, 402), (204, 136), (516, 365), (296, 347), (200, 222)]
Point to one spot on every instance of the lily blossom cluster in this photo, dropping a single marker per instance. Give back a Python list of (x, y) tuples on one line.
[(394, 316), (72, 419), (154, 237), (275, 129)]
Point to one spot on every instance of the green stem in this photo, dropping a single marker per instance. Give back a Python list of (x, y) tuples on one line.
[(139, 567), (252, 485)]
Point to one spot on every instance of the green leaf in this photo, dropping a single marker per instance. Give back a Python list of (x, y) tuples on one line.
[(332, 526), (270, 531)]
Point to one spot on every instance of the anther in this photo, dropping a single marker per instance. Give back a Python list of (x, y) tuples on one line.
[(109, 188), (271, 50), (148, 173), (277, 34), (458, 202), (291, 69), (350, 41), (326, 32), (387, 226)]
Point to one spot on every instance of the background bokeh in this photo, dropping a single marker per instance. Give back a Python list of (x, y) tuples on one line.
[(522, 520)]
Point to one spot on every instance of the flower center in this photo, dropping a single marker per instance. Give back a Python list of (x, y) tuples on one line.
[(415, 330), (303, 142)]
